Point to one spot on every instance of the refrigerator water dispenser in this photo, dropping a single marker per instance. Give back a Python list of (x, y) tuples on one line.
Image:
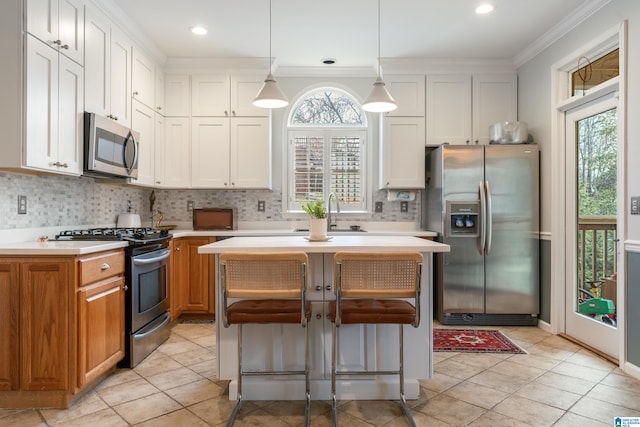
[(463, 218)]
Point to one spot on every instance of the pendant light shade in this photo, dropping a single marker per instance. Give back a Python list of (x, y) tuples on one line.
[(379, 100), (269, 95)]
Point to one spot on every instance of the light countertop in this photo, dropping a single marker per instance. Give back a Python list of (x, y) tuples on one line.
[(290, 232), (334, 244)]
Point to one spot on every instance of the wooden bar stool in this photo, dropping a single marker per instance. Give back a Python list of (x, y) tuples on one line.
[(371, 288), (269, 288)]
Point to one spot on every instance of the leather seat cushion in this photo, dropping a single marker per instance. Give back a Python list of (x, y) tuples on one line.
[(374, 311), (266, 311)]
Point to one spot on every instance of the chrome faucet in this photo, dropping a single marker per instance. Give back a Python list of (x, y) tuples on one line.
[(330, 224)]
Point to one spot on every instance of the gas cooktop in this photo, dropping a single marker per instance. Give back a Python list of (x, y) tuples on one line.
[(141, 234)]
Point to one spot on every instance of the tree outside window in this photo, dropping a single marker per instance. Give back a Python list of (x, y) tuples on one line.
[(327, 141)]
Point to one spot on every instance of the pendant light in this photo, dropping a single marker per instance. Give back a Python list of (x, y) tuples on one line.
[(379, 100), (269, 95)]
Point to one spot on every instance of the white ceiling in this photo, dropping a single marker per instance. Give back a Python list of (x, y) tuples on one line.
[(306, 31)]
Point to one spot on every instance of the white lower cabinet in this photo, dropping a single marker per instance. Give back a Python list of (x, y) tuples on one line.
[(54, 107), (230, 152), (360, 347)]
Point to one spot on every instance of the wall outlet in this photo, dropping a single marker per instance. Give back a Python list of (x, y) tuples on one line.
[(22, 205), (404, 206), (635, 205), (260, 205), (189, 205), (378, 207)]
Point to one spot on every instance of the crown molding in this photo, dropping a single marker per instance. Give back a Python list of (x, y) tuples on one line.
[(558, 31)]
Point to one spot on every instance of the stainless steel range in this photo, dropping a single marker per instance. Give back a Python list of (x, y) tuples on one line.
[(146, 286)]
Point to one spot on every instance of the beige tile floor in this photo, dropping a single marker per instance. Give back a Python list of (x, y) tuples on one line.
[(555, 384)]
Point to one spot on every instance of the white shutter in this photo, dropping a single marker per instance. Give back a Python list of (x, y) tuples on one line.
[(347, 171)]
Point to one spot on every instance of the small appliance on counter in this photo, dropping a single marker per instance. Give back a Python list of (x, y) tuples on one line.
[(214, 219), (128, 219)]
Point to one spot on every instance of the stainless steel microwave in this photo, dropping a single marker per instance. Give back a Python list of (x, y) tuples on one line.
[(110, 149)]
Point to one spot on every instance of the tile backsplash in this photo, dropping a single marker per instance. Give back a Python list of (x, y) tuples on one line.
[(77, 201)]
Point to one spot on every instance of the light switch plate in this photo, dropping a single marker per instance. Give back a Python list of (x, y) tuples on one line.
[(260, 205), (190, 205), (22, 205), (404, 206), (635, 205)]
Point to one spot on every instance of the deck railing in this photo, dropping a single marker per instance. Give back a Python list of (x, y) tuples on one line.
[(597, 237)]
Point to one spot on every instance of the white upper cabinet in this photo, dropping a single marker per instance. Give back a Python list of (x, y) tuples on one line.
[(495, 99), (59, 24), (176, 153), (177, 95), (460, 108), (448, 110), (224, 96), (143, 83), (54, 94), (107, 68), (230, 153), (144, 122), (402, 153), (408, 91), (159, 90)]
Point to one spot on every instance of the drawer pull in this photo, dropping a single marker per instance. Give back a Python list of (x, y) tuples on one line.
[(105, 266)]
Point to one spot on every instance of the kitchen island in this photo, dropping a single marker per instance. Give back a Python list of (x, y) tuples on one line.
[(273, 347)]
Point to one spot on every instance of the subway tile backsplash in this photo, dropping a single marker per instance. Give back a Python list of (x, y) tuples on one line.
[(77, 201)]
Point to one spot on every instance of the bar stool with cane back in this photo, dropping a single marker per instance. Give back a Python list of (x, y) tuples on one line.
[(270, 288), (372, 288)]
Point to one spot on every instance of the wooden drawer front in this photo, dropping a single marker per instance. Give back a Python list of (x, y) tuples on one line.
[(101, 266)]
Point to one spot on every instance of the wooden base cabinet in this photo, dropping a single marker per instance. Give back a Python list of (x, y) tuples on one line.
[(192, 278), (61, 326)]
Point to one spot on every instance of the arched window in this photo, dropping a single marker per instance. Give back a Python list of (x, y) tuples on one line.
[(326, 150)]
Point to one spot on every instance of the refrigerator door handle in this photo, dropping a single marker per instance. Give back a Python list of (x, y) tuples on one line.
[(489, 219), (483, 219)]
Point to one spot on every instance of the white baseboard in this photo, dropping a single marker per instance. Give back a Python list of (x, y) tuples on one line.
[(632, 370), (544, 326)]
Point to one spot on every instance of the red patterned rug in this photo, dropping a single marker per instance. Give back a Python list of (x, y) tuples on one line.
[(473, 341)]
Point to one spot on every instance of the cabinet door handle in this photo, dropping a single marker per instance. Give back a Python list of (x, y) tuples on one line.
[(58, 42), (233, 112), (177, 249), (318, 316), (105, 266), (64, 46), (318, 288), (159, 108), (226, 113), (135, 92), (328, 287)]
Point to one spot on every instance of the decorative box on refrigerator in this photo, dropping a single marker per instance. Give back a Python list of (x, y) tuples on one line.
[(484, 202)]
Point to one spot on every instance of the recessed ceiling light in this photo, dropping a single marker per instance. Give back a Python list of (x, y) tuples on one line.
[(198, 30), (329, 61), (484, 8)]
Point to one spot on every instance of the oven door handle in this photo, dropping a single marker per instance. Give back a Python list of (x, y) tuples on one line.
[(146, 261), (143, 335)]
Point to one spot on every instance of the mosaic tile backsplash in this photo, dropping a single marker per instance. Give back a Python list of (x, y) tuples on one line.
[(75, 202)]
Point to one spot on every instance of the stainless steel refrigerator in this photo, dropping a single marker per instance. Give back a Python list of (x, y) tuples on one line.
[(484, 202)]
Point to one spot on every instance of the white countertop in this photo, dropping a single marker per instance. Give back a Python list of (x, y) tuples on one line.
[(290, 232), (362, 241), (58, 247)]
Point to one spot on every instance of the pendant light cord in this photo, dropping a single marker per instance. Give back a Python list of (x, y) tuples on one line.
[(379, 65), (270, 61)]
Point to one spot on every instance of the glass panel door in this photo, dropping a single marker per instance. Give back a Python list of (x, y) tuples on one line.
[(592, 146)]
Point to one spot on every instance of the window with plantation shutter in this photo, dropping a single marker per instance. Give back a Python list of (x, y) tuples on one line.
[(326, 153)]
